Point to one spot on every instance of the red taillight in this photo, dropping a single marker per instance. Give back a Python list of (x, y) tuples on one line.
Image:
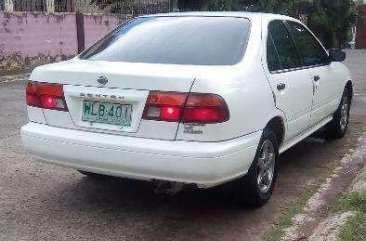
[(203, 115), (205, 108), (186, 107), (46, 96), (164, 106), (33, 100), (170, 113)]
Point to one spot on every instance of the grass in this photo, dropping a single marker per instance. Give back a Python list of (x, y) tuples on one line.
[(285, 220), (351, 202), (355, 228)]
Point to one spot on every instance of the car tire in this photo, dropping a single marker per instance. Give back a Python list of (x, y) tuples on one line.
[(337, 128), (256, 187), (92, 175)]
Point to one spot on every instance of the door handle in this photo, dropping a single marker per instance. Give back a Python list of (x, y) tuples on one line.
[(316, 78), (281, 86)]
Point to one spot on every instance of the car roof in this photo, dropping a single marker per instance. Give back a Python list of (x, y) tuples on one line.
[(250, 15)]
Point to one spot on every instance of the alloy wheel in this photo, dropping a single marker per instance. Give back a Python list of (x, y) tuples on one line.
[(344, 114), (266, 166)]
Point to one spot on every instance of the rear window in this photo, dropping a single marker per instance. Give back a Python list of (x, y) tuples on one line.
[(174, 40)]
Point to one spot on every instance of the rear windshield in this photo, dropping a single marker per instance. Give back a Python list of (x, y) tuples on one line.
[(174, 40)]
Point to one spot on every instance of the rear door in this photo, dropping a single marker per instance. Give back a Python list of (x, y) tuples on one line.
[(327, 83), (291, 85)]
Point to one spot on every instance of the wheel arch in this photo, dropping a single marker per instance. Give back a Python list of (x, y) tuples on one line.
[(349, 87), (277, 125)]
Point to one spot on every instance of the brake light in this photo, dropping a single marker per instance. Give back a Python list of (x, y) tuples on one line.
[(205, 108), (186, 107), (46, 96), (164, 106)]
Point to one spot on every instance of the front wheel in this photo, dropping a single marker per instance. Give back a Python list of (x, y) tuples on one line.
[(337, 128), (257, 186)]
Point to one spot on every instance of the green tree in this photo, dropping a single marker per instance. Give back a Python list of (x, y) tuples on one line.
[(288, 7), (332, 20)]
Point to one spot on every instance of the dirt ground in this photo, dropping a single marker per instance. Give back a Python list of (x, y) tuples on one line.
[(44, 202)]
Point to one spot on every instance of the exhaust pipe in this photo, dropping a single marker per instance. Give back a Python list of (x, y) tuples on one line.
[(165, 187)]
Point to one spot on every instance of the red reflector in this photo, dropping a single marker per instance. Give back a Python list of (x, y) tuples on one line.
[(206, 115), (205, 108), (33, 100), (31, 88), (46, 96)]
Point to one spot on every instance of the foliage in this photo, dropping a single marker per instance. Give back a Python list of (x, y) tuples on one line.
[(133, 7), (114, 6), (355, 228), (331, 20), (355, 201), (288, 7)]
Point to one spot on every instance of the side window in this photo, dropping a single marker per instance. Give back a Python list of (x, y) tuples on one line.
[(311, 52), (273, 60), (286, 49)]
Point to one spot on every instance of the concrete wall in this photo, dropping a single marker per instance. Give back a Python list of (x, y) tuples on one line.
[(32, 38), (361, 28), (96, 26)]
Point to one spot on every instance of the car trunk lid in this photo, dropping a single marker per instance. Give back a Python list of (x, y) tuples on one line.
[(125, 91)]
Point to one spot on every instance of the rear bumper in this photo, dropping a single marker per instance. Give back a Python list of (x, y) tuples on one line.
[(203, 163)]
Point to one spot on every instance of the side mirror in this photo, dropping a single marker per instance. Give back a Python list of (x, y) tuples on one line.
[(337, 55)]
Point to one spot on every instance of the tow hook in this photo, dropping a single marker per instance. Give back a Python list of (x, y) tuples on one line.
[(165, 187)]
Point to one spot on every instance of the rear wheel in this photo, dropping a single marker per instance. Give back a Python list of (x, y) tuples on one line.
[(256, 187), (337, 128)]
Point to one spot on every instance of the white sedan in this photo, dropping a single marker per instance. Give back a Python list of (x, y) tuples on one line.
[(189, 98)]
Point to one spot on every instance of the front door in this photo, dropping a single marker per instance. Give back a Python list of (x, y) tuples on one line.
[(326, 81), (291, 85)]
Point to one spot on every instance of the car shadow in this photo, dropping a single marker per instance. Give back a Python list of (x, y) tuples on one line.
[(307, 157), (210, 214)]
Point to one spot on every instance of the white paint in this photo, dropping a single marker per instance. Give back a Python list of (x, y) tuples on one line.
[(204, 163), (162, 150)]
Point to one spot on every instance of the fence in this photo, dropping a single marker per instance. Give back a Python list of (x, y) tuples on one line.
[(133, 7), (33, 32)]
